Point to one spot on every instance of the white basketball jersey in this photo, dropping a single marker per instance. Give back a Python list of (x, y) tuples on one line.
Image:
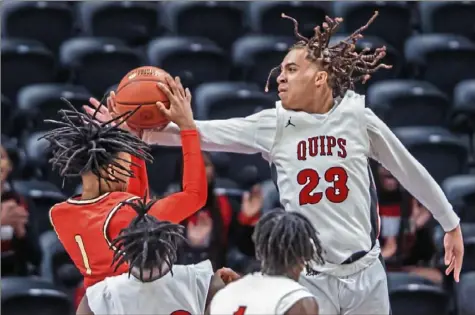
[(321, 167), (257, 294), (183, 293)]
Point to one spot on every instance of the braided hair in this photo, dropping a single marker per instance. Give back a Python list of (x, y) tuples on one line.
[(82, 144), (147, 243), (284, 240), (344, 65)]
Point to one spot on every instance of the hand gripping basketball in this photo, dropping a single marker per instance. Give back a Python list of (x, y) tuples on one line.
[(180, 103)]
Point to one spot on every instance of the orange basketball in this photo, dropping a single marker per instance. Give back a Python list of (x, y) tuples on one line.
[(139, 87)]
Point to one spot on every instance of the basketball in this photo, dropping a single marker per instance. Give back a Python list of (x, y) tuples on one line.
[(139, 88)]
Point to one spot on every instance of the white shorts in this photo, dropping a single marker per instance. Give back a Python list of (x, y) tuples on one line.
[(365, 292)]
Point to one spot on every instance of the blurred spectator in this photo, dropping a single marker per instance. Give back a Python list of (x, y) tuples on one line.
[(18, 246), (221, 225), (406, 230)]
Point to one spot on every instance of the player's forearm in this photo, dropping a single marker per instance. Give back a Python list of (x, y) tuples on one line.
[(138, 185)]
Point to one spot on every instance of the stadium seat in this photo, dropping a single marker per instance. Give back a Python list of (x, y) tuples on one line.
[(463, 110), (265, 16), (25, 62), (47, 22), (460, 190), (224, 100), (135, 22), (392, 58), (465, 291), (41, 195), (256, 55), (97, 63), (220, 21), (468, 232), (195, 60), (25, 296), (393, 23), (450, 17), (433, 147), (442, 59), (43, 101), (419, 299), (7, 111), (16, 155), (164, 168), (403, 279), (403, 103), (270, 194)]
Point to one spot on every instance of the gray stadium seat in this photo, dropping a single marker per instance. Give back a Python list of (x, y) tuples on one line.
[(26, 296), (403, 279), (220, 21), (42, 101), (256, 55), (25, 62), (163, 169), (49, 22), (465, 291), (460, 190), (442, 59), (419, 299), (224, 100), (97, 63), (393, 23), (8, 111), (194, 59), (433, 147), (452, 17), (264, 17), (16, 155), (408, 103), (135, 22), (463, 110)]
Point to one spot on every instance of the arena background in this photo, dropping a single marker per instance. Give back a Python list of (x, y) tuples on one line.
[(223, 51)]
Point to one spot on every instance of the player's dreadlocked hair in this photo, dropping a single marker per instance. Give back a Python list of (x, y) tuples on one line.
[(284, 240), (82, 144), (147, 243), (344, 66)]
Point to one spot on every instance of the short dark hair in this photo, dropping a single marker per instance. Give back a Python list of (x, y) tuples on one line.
[(345, 66), (147, 243), (284, 240), (82, 144)]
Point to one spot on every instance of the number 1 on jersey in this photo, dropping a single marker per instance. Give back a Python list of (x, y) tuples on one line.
[(241, 310), (82, 249), (310, 179)]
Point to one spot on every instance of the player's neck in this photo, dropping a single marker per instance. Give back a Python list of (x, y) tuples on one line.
[(92, 188), (323, 104)]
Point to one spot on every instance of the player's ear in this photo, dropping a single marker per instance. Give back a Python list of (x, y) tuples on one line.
[(111, 173), (321, 78)]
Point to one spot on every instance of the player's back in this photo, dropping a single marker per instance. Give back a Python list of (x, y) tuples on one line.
[(184, 292), (81, 227), (258, 294)]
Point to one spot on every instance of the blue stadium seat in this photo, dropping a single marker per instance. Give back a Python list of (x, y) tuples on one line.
[(450, 17), (465, 291), (194, 59), (265, 16), (164, 168), (419, 299), (442, 59), (219, 21), (460, 190), (97, 63), (135, 22), (41, 195), (392, 58), (25, 296), (393, 23), (224, 100), (433, 147), (256, 55), (463, 110), (403, 103), (403, 279), (48, 22), (42, 101), (25, 62)]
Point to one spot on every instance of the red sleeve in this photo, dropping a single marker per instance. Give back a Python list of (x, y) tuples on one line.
[(181, 205), (119, 221), (138, 185)]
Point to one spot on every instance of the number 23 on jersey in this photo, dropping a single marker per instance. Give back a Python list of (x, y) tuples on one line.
[(310, 178)]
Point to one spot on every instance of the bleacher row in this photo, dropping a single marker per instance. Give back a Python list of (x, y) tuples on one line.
[(223, 51)]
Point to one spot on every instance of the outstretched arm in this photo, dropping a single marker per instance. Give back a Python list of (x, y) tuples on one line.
[(138, 185)]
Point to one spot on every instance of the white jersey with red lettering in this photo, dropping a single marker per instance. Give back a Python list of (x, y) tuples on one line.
[(183, 293), (258, 294), (321, 168)]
